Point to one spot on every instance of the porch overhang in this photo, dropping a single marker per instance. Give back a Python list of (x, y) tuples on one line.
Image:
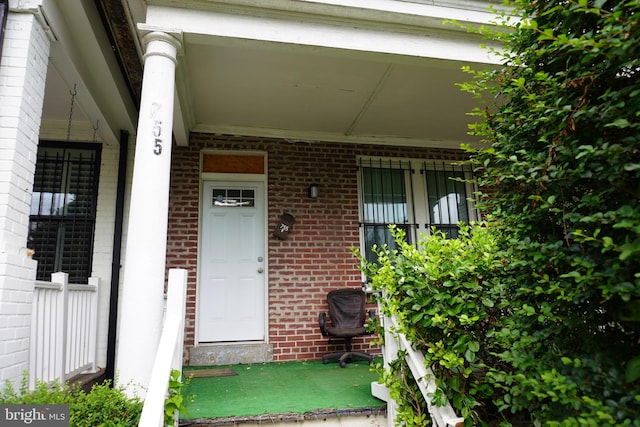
[(384, 73), (377, 72)]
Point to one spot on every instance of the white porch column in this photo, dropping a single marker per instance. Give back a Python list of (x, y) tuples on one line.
[(23, 70), (141, 310)]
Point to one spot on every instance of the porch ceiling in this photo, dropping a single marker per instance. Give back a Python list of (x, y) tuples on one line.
[(320, 94), (271, 86)]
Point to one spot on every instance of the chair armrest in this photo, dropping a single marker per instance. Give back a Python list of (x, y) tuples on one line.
[(322, 318)]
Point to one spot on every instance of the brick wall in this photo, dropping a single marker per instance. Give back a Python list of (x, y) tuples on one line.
[(103, 242), (317, 256), (22, 79)]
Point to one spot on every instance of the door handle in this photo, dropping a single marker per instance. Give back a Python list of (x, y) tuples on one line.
[(260, 270)]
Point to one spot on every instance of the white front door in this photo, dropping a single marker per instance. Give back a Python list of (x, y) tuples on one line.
[(231, 299)]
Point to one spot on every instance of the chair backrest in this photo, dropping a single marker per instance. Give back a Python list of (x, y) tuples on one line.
[(347, 308)]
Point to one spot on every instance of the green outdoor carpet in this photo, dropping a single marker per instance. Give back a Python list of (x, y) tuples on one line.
[(275, 388)]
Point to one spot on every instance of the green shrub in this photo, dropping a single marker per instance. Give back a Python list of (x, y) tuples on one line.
[(560, 172), (450, 297), (103, 406), (544, 328), (500, 354)]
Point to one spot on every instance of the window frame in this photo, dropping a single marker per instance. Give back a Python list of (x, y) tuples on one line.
[(79, 268)]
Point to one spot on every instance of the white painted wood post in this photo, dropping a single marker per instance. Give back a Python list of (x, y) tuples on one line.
[(390, 350), (59, 338), (176, 306), (144, 263), (169, 355), (93, 329)]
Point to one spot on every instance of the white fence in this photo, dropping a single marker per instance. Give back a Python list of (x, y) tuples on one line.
[(169, 354), (394, 342), (64, 325)]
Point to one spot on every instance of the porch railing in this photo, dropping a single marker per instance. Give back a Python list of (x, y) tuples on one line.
[(394, 342), (64, 326), (169, 354)]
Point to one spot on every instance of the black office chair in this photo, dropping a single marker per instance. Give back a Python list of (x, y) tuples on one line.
[(348, 316)]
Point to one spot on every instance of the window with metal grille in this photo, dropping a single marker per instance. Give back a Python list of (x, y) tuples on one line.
[(385, 191), (63, 209), (415, 195), (447, 200)]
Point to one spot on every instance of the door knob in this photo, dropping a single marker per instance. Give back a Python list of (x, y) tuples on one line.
[(260, 270)]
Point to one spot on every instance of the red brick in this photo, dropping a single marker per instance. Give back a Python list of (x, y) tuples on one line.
[(316, 258)]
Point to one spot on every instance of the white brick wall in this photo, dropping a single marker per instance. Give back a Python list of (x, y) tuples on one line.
[(23, 69), (103, 247)]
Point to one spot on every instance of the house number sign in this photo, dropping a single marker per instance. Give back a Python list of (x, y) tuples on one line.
[(284, 226), (157, 142)]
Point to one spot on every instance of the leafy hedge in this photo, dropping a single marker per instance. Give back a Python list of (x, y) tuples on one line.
[(449, 297), (534, 320), (498, 356), (103, 405), (560, 173)]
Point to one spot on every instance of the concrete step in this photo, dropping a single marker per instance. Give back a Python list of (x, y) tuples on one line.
[(230, 354)]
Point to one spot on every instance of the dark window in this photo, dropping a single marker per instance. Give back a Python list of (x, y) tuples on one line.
[(63, 209)]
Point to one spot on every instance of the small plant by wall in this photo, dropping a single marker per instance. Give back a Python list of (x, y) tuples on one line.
[(175, 403)]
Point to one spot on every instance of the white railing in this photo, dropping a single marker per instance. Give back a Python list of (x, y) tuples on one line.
[(169, 354), (394, 342), (64, 326)]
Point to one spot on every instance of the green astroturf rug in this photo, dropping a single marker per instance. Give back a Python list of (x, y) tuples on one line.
[(283, 387)]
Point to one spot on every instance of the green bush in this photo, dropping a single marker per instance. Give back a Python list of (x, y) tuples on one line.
[(499, 356), (450, 297), (543, 328), (103, 406), (560, 172)]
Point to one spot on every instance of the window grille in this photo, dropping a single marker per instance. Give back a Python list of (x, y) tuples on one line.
[(385, 199), (391, 193), (447, 199), (63, 209)]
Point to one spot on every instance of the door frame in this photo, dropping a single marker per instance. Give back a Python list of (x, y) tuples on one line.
[(234, 178)]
